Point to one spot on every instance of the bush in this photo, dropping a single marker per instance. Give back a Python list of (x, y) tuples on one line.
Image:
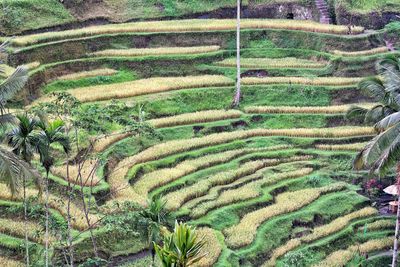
[(10, 17), (298, 259)]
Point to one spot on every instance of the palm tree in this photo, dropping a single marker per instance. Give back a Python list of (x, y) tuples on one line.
[(181, 248), (383, 151), (236, 99), (157, 216), (12, 168), (24, 143), (50, 133)]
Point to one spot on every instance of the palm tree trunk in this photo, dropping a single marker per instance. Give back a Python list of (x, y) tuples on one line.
[(236, 100), (26, 224), (47, 219), (70, 190), (396, 234)]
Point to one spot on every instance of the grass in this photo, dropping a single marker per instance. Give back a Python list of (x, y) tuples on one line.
[(143, 87), (244, 232), (341, 257), (320, 232), (196, 117), (336, 109), (212, 247), (61, 85), (134, 52), (287, 63), (77, 215), (192, 25), (87, 74), (247, 191), (317, 81), (339, 147), (80, 175), (373, 51), (7, 262), (17, 228), (380, 224), (32, 14), (103, 142)]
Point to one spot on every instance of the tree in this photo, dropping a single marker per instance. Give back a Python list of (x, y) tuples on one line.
[(383, 151), (157, 216), (50, 133), (236, 99), (12, 168), (181, 248), (23, 141)]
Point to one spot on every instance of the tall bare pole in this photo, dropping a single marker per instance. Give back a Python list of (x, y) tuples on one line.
[(236, 100)]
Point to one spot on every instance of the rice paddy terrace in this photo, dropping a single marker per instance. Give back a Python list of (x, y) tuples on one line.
[(268, 184)]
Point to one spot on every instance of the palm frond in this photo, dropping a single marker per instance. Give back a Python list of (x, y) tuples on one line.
[(13, 170), (5, 45), (374, 148), (13, 84), (388, 121), (375, 114), (373, 87), (389, 157), (356, 112)]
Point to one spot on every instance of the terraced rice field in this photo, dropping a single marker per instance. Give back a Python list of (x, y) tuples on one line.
[(266, 63), (155, 51), (260, 181)]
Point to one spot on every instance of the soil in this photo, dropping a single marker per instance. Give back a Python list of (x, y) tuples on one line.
[(348, 96), (120, 260)]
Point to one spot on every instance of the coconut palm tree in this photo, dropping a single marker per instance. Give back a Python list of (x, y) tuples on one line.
[(383, 151), (236, 99), (23, 141), (50, 133), (181, 248)]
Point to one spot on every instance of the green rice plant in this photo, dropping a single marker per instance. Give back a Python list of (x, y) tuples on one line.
[(379, 224), (7, 70), (337, 224), (287, 63), (341, 257), (87, 74), (339, 147), (103, 142), (162, 177), (7, 262), (373, 51), (214, 192), (311, 110), (195, 117), (143, 87), (86, 172), (316, 81), (32, 65), (247, 191), (192, 25), (176, 199), (319, 232), (78, 217), (244, 232), (122, 190), (17, 228), (212, 248), (134, 52)]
